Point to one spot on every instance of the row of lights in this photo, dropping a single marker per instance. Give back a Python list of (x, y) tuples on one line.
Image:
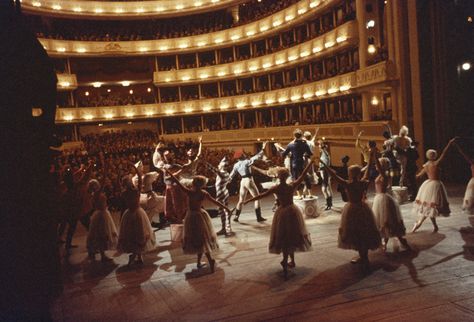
[(267, 65), (218, 40), (241, 104), (99, 10)]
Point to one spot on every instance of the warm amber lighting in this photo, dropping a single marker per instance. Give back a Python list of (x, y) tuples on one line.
[(167, 79), (304, 54), (256, 103), (240, 104), (186, 78), (149, 113), (329, 44), (143, 49), (129, 114), (160, 9), (203, 76), (370, 24), (280, 61), (206, 108), (317, 49), (237, 71), (333, 90), (169, 112), (374, 101), (163, 48), (307, 95), (148, 90), (269, 101), (314, 4), (88, 116), (56, 7), (183, 45), (301, 11), (131, 91), (125, 83), (234, 37), (188, 110), (371, 49), (250, 33), (109, 116), (221, 73), (97, 84), (198, 4), (119, 10), (295, 97), (98, 10), (201, 43), (341, 39), (77, 9), (291, 58), (264, 28), (320, 93), (86, 93), (224, 106), (218, 40), (36, 4), (253, 68), (266, 65), (64, 84), (179, 7), (140, 10), (276, 23), (68, 117), (466, 66), (282, 99), (109, 90), (61, 49), (81, 50), (344, 88)]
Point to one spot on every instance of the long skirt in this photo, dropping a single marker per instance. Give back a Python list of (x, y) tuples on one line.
[(358, 230), (198, 234), (388, 217), (289, 233), (431, 200), (136, 234), (102, 232)]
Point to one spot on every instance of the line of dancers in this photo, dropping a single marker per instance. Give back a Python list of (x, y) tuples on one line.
[(362, 228)]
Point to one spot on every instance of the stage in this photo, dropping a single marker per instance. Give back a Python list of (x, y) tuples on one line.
[(435, 281)]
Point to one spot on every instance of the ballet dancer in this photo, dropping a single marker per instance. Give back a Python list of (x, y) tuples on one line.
[(198, 234), (247, 184), (323, 172), (432, 200), (288, 233), (357, 230), (401, 143), (309, 179), (468, 202)]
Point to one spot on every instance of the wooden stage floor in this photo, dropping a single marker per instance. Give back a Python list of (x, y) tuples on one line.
[(435, 282)]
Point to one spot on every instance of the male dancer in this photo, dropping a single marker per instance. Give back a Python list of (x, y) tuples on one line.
[(222, 194), (310, 175), (402, 142), (325, 177), (243, 168), (190, 167), (175, 198), (300, 151)]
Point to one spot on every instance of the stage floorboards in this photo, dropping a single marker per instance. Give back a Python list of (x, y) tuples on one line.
[(435, 282)]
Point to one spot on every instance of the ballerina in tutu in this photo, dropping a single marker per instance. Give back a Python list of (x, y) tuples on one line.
[(388, 217), (468, 202), (102, 234), (431, 200), (198, 234), (136, 235), (357, 229), (288, 232)]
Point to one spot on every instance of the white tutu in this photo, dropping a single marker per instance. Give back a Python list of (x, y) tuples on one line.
[(153, 205), (388, 217), (136, 235), (289, 233), (102, 232), (431, 200), (468, 203)]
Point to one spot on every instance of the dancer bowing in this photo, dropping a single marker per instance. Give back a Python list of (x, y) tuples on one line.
[(289, 233), (243, 168), (468, 202), (357, 229), (198, 234), (300, 151), (136, 235), (388, 217), (432, 200)]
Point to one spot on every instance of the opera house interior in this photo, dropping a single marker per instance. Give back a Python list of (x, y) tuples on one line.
[(138, 135)]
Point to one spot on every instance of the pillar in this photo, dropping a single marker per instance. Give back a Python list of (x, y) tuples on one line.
[(360, 16)]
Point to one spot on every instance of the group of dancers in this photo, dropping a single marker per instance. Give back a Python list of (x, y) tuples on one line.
[(362, 228)]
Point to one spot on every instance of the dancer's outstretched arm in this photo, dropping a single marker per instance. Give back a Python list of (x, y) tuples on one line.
[(298, 181), (445, 151), (333, 173), (157, 158), (139, 175), (466, 157), (315, 135), (198, 155), (180, 185), (214, 201), (262, 195), (261, 171)]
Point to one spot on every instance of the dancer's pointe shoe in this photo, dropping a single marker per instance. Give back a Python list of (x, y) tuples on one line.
[(355, 260), (284, 265), (131, 258), (212, 265), (291, 264), (415, 228), (200, 265)]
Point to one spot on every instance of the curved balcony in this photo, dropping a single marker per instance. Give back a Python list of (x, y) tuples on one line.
[(341, 84), (341, 37), (123, 9), (233, 36), (66, 82)]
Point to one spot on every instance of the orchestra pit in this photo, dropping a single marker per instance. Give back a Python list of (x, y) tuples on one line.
[(237, 160)]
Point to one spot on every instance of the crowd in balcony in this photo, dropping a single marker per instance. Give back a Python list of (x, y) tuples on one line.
[(113, 99), (127, 30)]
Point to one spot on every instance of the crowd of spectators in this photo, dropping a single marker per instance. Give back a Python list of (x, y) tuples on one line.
[(114, 99), (121, 149), (103, 30)]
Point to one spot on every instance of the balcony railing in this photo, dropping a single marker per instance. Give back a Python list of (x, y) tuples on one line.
[(123, 9), (66, 82), (338, 38), (233, 36)]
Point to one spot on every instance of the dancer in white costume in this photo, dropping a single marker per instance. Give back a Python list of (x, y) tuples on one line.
[(431, 200), (388, 217), (198, 234), (401, 143), (102, 233), (136, 235), (289, 233), (468, 202)]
